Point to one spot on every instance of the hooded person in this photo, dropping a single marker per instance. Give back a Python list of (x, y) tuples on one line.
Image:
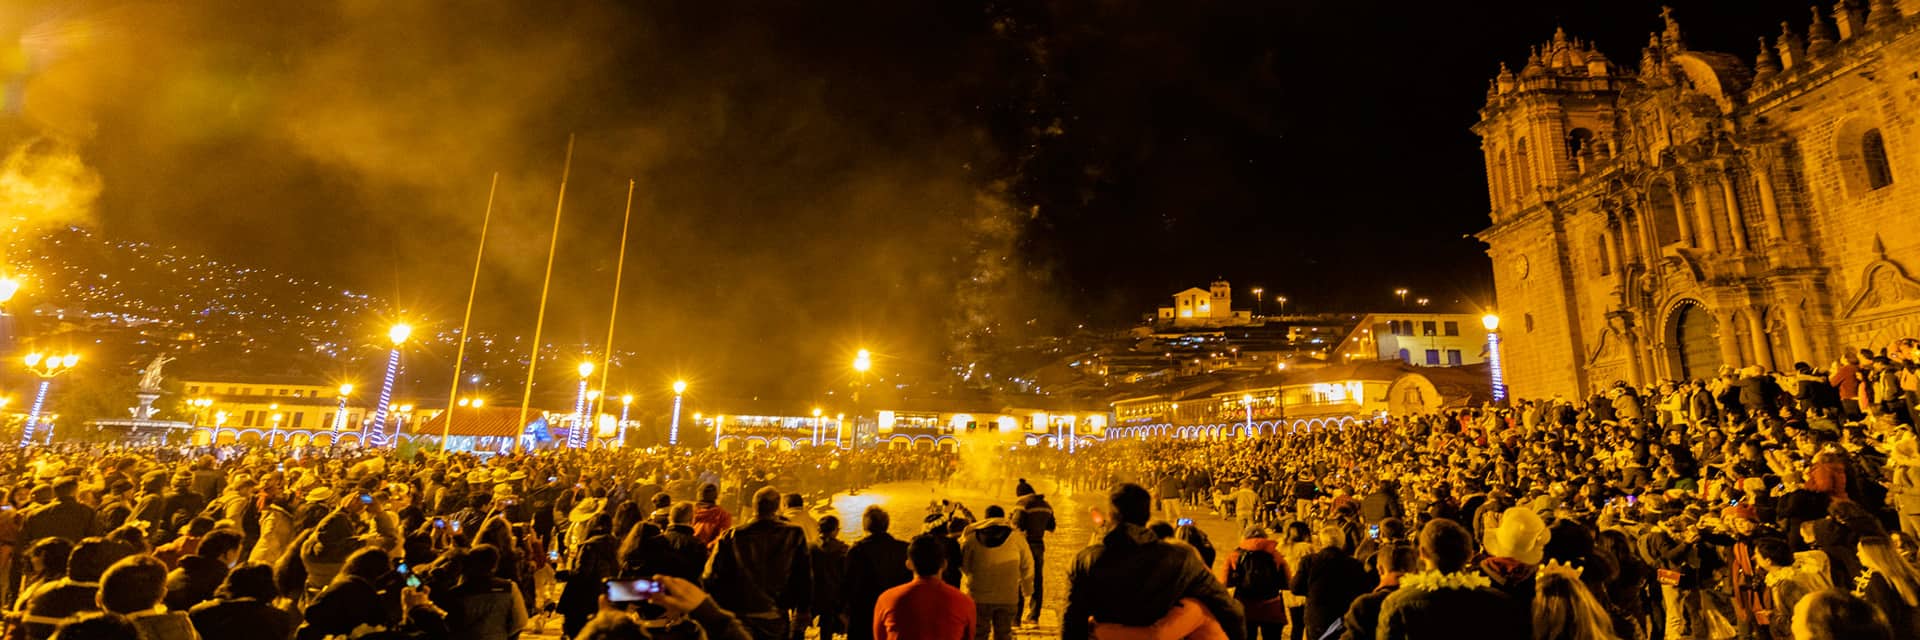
[(1514, 549), (1258, 574), (709, 518), (995, 567), (1034, 518)]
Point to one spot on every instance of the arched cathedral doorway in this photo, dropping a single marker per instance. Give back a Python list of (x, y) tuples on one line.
[(1697, 352)]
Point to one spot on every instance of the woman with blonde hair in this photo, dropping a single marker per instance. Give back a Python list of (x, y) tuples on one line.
[(1563, 609), (1890, 584)]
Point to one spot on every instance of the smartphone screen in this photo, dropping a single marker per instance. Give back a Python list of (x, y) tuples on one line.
[(629, 591), (554, 555), (402, 569), (1185, 522), (439, 523), (1373, 531), (366, 498), (413, 581)]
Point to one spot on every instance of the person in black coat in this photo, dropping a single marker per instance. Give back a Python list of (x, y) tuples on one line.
[(1330, 579), (242, 608), (1132, 577), (875, 564), (352, 600), (65, 518), (200, 574)]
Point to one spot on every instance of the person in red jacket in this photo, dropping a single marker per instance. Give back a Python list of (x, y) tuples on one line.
[(709, 518), (927, 608)]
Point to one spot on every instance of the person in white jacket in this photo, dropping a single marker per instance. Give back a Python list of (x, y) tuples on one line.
[(276, 532), (996, 567)]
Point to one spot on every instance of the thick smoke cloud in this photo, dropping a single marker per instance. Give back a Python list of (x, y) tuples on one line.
[(802, 188)]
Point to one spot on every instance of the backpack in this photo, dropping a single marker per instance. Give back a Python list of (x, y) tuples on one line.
[(1256, 576)]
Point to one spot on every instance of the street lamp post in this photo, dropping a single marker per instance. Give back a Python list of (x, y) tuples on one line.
[(626, 407), (673, 428), (577, 437), (1248, 401), (340, 412), (1402, 292), (1259, 301), (816, 426), (862, 363), (1492, 323), (46, 367), (1283, 304), (398, 335)]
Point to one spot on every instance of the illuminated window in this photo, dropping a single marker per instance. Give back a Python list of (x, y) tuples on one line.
[(193, 389), (247, 421), (1427, 328), (1453, 357), (1451, 328), (297, 415)]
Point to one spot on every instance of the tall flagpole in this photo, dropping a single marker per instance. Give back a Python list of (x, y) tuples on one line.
[(540, 317), (473, 286), (620, 267)]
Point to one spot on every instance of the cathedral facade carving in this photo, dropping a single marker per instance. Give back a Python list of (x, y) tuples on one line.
[(1702, 210)]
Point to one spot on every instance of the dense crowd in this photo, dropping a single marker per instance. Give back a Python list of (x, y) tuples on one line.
[(1751, 505), (187, 543)]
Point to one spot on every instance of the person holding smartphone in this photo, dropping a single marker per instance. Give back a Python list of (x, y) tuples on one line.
[(682, 599)]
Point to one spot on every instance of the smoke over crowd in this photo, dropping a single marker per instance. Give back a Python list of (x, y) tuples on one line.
[(801, 189)]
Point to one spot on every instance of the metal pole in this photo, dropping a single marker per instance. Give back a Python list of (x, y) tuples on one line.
[(540, 317), (473, 285)]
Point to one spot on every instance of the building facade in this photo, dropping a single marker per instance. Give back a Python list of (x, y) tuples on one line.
[(1418, 339), (1702, 209), (1209, 307)]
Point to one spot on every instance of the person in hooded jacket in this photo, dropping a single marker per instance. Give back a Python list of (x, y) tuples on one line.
[(133, 587), (1266, 612), (242, 608), (996, 567), (197, 576), (829, 570), (1130, 577), (1034, 518)]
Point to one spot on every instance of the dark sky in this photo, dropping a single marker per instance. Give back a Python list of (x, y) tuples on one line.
[(925, 177)]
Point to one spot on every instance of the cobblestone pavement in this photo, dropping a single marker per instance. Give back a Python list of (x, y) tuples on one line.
[(907, 502)]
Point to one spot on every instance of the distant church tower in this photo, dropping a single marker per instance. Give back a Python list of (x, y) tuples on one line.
[(1222, 305)]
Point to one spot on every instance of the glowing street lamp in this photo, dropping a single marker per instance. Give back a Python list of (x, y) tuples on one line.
[(1259, 301), (1402, 292), (626, 407), (398, 334), (1247, 401), (816, 426), (8, 287), (340, 413), (577, 437), (46, 367), (1492, 323), (862, 363), (1283, 304), (673, 428)]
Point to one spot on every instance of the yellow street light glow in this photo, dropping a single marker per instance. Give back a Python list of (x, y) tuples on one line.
[(817, 412), (70, 360), (679, 387), (862, 361), (626, 399), (399, 333), (464, 402), (586, 369), (479, 402), (346, 388), (33, 359), (593, 395), (1490, 321), (8, 287)]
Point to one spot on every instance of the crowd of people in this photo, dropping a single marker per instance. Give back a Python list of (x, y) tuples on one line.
[(1753, 505)]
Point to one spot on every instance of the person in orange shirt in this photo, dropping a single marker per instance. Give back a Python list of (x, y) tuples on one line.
[(927, 608)]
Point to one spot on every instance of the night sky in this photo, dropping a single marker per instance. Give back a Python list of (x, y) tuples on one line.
[(935, 179)]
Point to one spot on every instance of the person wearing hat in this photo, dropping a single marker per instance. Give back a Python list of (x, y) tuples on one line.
[(1034, 518), (1514, 547)]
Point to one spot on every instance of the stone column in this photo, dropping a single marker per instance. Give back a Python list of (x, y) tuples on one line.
[(1680, 215), (1797, 340), (1734, 222), (1769, 207), (1757, 333), (1706, 239), (1614, 254), (1729, 343)]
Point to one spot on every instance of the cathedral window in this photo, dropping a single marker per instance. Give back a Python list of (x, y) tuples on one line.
[(1873, 156)]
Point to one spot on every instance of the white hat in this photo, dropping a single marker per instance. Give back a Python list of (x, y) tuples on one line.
[(1521, 535)]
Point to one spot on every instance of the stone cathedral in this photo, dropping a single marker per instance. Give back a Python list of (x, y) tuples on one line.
[(1662, 220)]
